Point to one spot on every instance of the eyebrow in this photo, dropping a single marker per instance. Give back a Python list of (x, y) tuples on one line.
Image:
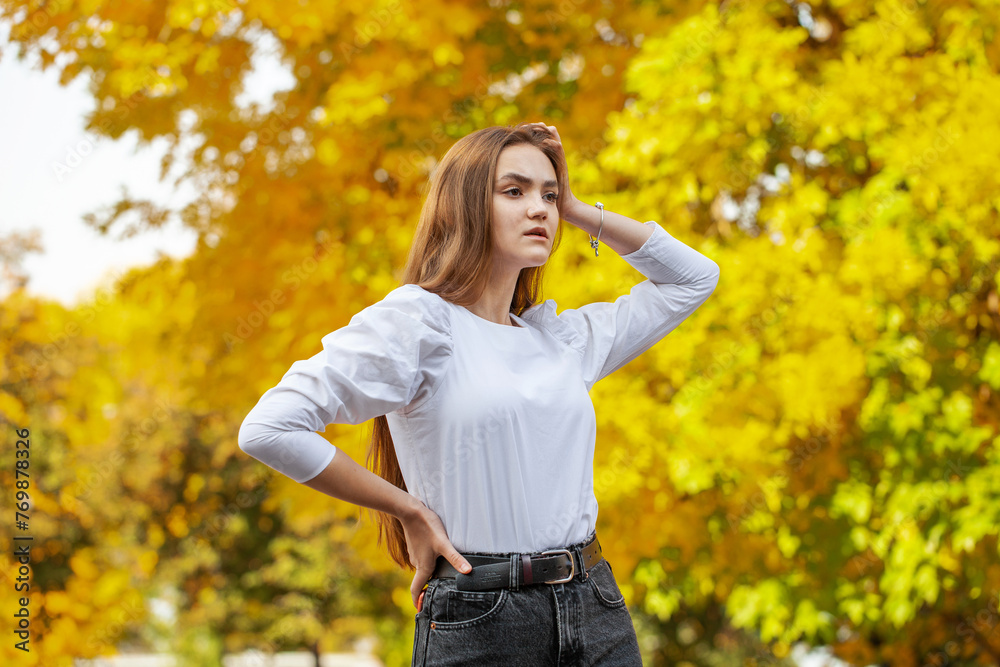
[(524, 180)]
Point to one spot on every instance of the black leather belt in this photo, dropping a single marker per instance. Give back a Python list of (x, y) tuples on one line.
[(556, 566)]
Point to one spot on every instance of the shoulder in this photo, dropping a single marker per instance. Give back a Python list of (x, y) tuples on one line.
[(543, 316), (415, 296), (541, 312), (417, 303)]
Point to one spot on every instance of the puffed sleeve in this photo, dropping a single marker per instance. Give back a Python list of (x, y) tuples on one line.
[(390, 354), (609, 335)]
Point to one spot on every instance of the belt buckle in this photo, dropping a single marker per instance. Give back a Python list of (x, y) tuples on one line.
[(572, 564)]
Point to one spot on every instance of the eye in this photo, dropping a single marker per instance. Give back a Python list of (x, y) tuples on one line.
[(555, 196)]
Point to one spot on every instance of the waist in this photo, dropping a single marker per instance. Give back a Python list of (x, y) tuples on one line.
[(513, 570)]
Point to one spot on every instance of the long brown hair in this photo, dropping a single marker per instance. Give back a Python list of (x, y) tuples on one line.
[(452, 256)]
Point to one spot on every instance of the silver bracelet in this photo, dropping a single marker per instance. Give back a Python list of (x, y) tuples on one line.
[(593, 241)]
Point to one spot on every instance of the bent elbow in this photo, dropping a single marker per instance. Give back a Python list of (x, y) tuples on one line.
[(252, 438), (712, 280), (704, 288)]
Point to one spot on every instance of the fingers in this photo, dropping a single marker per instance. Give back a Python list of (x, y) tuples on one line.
[(551, 129), (417, 589), (457, 560), (421, 577)]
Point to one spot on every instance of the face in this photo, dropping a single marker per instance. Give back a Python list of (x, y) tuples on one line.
[(524, 201)]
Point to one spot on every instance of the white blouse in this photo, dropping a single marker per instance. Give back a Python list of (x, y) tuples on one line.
[(493, 425)]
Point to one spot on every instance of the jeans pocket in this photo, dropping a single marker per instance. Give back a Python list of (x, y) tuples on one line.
[(602, 582), (455, 608)]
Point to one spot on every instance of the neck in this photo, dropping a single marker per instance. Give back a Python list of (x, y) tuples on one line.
[(494, 304)]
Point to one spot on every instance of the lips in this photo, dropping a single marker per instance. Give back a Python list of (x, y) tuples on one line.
[(537, 231)]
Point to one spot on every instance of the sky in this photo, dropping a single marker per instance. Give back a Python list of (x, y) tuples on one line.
[(41, 132)]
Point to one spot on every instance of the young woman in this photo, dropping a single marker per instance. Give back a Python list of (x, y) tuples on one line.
[(484, 430)]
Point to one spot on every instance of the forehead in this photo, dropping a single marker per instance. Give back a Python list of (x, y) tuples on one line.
[(526, 160)]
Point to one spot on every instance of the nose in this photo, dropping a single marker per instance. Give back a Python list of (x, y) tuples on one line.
[(537, 208)]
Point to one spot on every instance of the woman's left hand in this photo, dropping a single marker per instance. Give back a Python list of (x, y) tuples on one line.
[(567, 202)]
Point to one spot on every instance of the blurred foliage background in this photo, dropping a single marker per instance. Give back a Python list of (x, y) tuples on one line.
[(812, 457)]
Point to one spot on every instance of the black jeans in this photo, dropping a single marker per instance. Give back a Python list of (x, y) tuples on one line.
[(581, 622)]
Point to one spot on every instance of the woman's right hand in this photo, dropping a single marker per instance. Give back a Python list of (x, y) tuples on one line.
[(425, 539)]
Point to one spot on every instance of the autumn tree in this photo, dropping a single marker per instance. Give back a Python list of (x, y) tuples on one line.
[(822, 448), (810, 457)]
